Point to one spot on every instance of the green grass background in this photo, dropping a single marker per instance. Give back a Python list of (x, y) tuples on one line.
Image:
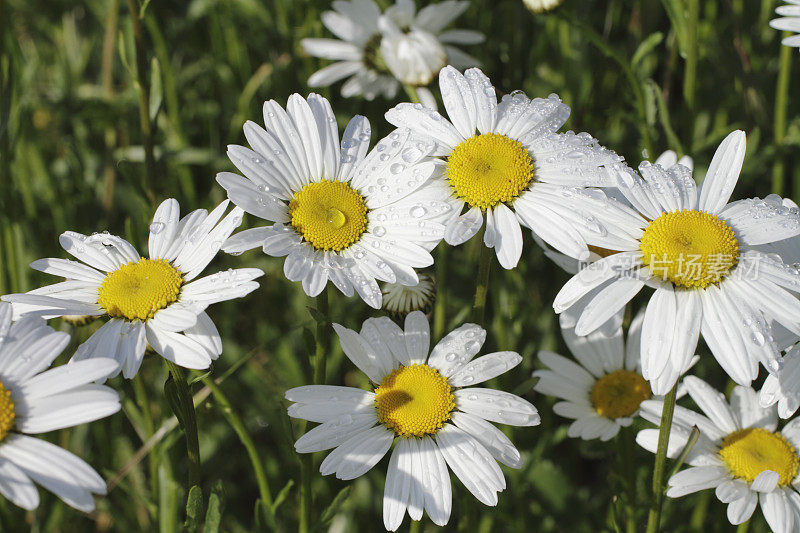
[(72, 157)]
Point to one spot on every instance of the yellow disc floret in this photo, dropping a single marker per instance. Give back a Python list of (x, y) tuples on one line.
[(619, 394), (748, 452), (414, 401), (7, 414), (330, 215), (136, 291), (692, 249), (489, 169)]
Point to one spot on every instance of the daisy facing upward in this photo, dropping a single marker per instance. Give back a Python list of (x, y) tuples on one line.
[(155, 300), (339, 212), (506, 163), (426, 405)]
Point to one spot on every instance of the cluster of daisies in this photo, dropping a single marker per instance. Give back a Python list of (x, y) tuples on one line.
[(366, 219)]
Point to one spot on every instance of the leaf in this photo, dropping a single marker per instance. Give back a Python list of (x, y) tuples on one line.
[(318, 317), (156, 89), (333, 509), (216, 504), (676, 12), (281, 497), (647, 46), (173, 399), (194, 508)]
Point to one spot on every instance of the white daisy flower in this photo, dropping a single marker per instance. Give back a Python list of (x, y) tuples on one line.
[(516, 169), (401, 300), (789, 21), (34, 400), (418, 402), (340, 213), (739, 454), (540, 6), (697, 251), (603, 390), (374, 50), (155, 300)]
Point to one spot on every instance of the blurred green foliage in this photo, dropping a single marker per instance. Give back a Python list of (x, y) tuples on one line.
[(72, 154)]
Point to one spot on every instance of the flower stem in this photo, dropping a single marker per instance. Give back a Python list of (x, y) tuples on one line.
[(690, 70), (440, 305), (627, 452), (144, 99), (411, 91), (322, 339), (654, 517), (744, 526), (184, 411), (779, 124), (244, 437), (484, 267)]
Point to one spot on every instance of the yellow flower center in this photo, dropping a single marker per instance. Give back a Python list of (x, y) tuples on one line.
[(330, 215), (692, 249), (488, 169), (619, 394), (414, 401), (748, 452), (7, 414), (136, 291)]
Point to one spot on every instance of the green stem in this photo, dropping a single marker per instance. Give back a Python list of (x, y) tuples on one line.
[(781, 106), (627, 454), (411, 91), (244, 437), (690, 69), (654, 517), (144, 99), (481, 290), (320, 361), (744, 526), (143, 401), (189, 421), (440, 305)]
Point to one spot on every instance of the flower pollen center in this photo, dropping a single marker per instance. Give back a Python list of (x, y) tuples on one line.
[(692, 249), (748, 452), (330, 215), (7, 414), (619, 394), (414, 401), (489, 169), (136, 291)]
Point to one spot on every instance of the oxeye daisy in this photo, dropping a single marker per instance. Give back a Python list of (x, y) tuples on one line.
[(424, 404), (377, 50), (739, 453), (339, 213), (603, 390), (401, 299), (789, 21), (34, 400), (505, 162), (155, 300), (697, 251)]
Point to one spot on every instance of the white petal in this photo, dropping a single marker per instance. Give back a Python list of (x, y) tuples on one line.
[(485, 368), (494, 440), (723, 173), (417, 337), (457, 348), (497, 406), (177, 348), (357, 455), (398, 485)]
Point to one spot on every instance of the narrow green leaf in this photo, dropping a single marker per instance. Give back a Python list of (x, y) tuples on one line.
[(194, 508), (216, 504), (333, 509), (156, 89), (646, 47)]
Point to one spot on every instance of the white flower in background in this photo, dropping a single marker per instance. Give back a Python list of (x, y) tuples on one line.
[(540, 6), (420, 403), (603, 390), (375, 49), (739, 454), (698, 251), (401, 299), (339, 213), (516, 169), (155, 300), (789, 21), (34, 400)]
